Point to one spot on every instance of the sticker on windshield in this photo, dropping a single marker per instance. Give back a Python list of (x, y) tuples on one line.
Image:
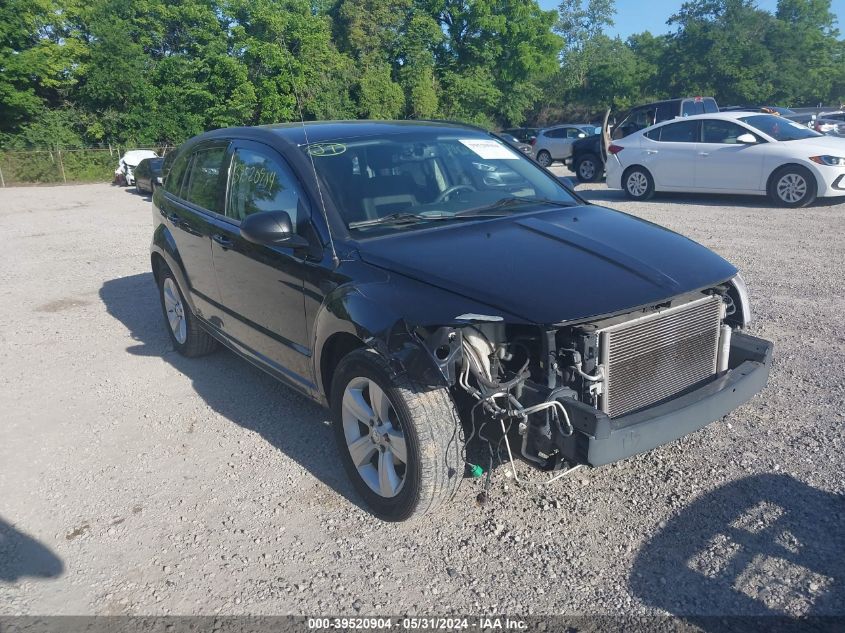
[(489, 149), (326, 149)]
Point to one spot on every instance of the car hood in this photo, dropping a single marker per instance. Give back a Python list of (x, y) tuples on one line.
[(818, 145), (554, 266)]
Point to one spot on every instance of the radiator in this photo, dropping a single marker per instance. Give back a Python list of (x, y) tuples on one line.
[(654, 357)]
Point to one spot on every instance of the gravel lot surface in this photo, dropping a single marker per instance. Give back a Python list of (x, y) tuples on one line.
[(135, 481)]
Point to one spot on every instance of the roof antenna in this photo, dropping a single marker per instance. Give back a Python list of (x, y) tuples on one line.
[(288, 53)]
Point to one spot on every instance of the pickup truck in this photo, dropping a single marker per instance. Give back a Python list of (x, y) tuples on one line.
[(429, 284)]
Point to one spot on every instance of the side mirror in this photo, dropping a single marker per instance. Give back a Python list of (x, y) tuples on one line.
[(582, 135), (746, 139), (271, 228)]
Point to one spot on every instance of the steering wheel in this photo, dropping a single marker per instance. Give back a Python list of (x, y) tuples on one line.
[(454, 188)]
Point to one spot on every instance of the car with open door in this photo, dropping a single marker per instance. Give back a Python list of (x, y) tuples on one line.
[(428, 283), (588, 154), (730, 152)]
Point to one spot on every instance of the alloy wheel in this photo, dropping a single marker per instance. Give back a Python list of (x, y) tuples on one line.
[(637, 184), (544, 158), (175, 310), (587, 170), (791, 188), (374, 437)]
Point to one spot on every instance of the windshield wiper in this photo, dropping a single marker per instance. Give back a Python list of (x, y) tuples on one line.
[(413, 218), (513, 201)]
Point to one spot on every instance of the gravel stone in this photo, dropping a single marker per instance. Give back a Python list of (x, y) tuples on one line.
[(227, 484)]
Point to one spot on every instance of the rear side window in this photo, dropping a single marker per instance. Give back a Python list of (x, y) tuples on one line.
[(681, 132), (176, 174), (203, 186), (558, 133), (260, 182), (690, 108)]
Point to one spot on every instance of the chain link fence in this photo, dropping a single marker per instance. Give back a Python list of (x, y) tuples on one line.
[(51, 166)]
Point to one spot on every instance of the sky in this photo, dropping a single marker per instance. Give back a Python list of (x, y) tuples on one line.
[(636, 16)]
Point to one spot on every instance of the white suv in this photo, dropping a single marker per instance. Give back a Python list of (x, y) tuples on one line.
[(555, 143)]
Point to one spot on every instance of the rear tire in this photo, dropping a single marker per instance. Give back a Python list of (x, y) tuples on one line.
[(638, 183), (406, 438), (793, 186), (588, 168), (186, 334), (544, 159)]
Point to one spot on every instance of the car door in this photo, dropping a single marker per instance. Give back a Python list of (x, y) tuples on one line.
[(193, 195), (261, 287), (670, 152), (723, 163)]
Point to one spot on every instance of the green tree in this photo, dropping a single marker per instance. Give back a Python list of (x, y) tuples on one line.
[(719, 49), (805, 42)]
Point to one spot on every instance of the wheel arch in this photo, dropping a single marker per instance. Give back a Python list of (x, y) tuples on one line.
[(348, 320), (770, 179), (630, 168), (163, 252)]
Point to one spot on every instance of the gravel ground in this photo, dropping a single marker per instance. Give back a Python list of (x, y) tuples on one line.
[(134, 481)]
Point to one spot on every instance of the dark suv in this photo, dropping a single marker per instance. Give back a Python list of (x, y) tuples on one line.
[(429, 284), (587, 154)]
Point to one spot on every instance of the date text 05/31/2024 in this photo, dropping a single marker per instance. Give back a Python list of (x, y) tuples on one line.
[(418, 624)]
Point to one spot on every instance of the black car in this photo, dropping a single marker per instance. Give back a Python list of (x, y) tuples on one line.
[(523, 134), (148, 175), (511, 140), (587, 154), (430, 285)]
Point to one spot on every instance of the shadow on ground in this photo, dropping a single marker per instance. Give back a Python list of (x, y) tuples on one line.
[(23, 556), (764, 545), (232, 387)]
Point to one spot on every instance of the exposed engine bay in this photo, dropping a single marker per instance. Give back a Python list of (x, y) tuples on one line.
[(537, 385)]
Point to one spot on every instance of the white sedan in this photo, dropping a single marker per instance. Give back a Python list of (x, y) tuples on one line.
[(729, 152)]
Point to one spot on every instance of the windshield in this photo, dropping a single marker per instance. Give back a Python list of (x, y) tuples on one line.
[(779, 128), (404, 181)]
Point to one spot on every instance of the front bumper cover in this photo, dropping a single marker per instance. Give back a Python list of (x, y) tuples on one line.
[(602, 440)]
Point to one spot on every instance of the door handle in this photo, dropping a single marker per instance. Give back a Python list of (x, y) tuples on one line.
[(704, 153), (224, 241), (173, 217), (651, 151)]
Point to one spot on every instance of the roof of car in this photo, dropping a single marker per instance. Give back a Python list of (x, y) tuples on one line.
[(320, 131), (726, 116)]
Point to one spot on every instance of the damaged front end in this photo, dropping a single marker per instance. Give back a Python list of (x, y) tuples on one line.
[(601, 390)]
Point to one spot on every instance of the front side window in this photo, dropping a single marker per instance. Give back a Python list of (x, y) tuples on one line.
[(203, 186), (779, 128), (681, 132), (723, 132), (392, 183), (176, 174), (259, 182)]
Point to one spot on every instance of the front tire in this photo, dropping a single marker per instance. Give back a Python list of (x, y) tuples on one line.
[(186, 334), (588, 168), (793, 186), (638, 183), (544, 159), (400, 442)]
